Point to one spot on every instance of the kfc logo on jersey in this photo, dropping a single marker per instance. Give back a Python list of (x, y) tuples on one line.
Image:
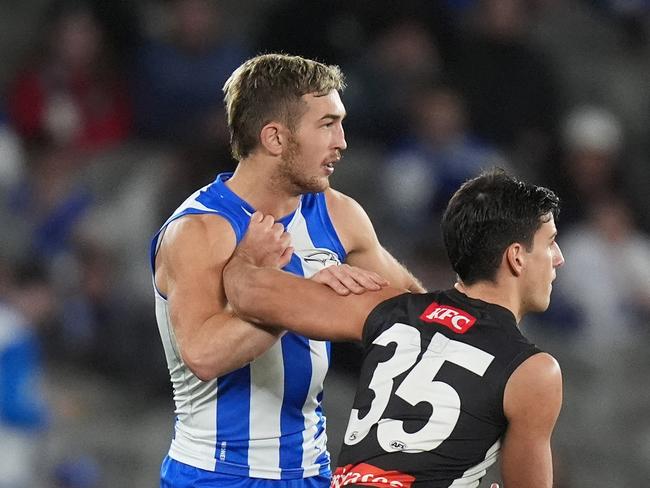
[(370, 475), (451, 317)]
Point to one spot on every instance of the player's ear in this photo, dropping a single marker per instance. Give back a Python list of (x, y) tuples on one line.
[(273, 137), (515, 258)]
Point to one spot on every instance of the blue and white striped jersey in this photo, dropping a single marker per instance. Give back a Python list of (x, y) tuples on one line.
[(264, 420)]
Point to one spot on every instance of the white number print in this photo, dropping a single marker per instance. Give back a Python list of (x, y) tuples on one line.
[(382, 379), (418, 386)]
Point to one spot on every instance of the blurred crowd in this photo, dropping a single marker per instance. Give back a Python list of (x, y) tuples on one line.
[(111, 112)]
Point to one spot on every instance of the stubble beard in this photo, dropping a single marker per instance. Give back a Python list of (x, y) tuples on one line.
[(291, 174)]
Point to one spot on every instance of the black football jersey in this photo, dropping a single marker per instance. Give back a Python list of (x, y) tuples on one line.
[(428, 411)]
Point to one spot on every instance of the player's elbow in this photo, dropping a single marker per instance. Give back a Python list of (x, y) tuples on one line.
[(217, 361), (202, 371), (201, 364)]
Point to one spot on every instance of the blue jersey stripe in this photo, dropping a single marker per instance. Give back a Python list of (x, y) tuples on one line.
[(234, 208), (294, 266), (297, 357), (319, 224), (323, 460), (233, 403)]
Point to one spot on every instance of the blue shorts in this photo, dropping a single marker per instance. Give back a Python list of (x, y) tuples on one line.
[(174, 474)]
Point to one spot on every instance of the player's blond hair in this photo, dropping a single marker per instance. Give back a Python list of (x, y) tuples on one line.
[(269, 88)]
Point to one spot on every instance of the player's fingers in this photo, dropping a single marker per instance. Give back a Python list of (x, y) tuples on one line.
[(268, 222), (257, 216), (284, 242), (277, 230), (285, 257), (377, 278), (347, 278), (325, 277), (258, 224), (369, 280)]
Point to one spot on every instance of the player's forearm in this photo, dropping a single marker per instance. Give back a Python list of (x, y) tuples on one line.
[(525, 476), (225, 343), (270, 297), (414, 286), (401, 277), (256, 294)]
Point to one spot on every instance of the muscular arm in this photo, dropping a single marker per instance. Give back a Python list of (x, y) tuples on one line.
[(532, 401), (272, 297), (261, 293), (362, 245), (212, 339)]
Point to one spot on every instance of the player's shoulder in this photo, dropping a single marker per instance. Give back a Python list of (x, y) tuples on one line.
[(350, 220), (339, 201), (539, 374), (542, 367), (207, 231), (534, 390)]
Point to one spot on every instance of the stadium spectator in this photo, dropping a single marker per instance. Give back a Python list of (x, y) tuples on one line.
[(26, 304), (70, 93)]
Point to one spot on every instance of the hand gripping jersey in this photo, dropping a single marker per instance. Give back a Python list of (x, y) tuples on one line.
[(264, 420), (429, 408)]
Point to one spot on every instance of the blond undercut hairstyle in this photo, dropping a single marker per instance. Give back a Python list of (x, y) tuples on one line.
[(269, 88)]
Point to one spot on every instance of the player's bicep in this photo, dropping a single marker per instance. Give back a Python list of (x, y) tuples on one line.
[(532, 401), (192, 257)]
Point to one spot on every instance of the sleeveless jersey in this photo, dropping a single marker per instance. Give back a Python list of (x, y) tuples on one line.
[(265, 419), (429, 408)]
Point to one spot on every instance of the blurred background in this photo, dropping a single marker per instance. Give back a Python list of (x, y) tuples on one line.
[(111, 113)]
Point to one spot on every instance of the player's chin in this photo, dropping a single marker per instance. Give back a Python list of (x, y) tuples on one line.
[(316, 184), (543, 303), (539, 303), (321, 183)]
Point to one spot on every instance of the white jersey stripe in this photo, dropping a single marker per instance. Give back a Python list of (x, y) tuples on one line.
[(267, 392), (313, 447), (472, 477)]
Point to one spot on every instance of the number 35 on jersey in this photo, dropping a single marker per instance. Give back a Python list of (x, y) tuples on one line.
[(419, 385)]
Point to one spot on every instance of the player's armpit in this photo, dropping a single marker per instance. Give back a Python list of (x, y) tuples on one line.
[(189, 264), (532, 401)]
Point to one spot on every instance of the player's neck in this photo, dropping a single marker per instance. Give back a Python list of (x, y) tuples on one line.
[(253, 182), (496, 293)]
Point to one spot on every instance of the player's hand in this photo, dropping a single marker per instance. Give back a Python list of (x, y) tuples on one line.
[(266, 244), (345, 279)]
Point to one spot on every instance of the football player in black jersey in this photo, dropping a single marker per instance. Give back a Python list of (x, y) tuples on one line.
[(448, 383)]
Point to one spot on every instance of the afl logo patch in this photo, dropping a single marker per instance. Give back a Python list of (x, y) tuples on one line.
[(397, 445), (453, 318)]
